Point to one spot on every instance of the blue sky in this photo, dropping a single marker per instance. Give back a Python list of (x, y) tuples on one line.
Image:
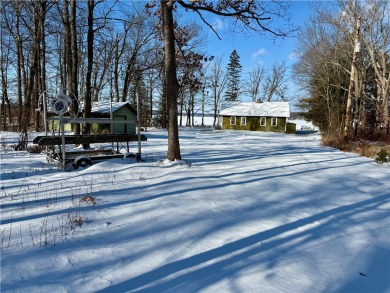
[(257, 49)]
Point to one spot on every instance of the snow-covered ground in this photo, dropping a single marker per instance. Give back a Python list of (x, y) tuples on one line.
[(303, 124), (243, 212)]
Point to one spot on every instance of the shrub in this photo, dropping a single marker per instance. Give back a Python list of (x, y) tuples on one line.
[(382, 156), (335, 141)]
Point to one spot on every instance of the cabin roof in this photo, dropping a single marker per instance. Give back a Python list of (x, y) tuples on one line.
[(104, 107), (251, 109)]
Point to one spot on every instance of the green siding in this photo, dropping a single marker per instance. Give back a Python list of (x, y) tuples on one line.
[(253, 123), (123, 113)]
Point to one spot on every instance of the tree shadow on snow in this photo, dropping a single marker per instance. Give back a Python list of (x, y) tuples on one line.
[(199, 271)]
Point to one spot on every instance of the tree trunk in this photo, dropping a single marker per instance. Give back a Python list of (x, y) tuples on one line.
[(20, 61), (181, 108), (42, 83), (5, 104), (32, 85), (116, 69), (215, 106), (67, 55), (151, 98), (173, 152), (129, 75), (203, 99), (40, 78), (163, 107), (88, 90), (35, 100), (193, 109), (351, 85), (73, 67)]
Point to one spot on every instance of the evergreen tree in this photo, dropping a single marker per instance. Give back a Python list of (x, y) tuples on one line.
[(234, 69)]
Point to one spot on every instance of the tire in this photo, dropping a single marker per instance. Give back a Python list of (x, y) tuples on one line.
[(129, 156), (81, 162)]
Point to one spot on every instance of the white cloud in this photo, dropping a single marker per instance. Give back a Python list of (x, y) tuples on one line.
[(293, 55), (258, 53), (218, 24)]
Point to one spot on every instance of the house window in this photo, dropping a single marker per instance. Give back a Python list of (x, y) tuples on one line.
[(263, 121), (274, 121), (243, 121), (233, 120)]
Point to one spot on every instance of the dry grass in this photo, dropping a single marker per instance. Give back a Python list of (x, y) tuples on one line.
[(370, 150), (359, 146), (334, 141)]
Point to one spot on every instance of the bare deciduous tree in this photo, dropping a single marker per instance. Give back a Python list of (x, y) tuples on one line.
[(275, 87), (5, 63), (218, 80), (253, 84), (249, 15), (331, 46)]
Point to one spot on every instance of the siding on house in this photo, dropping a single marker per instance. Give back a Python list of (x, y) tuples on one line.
[(251, 116), (253, 123), (120, 111)]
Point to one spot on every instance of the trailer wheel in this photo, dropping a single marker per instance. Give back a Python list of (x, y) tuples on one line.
[(129, 155), (81, 162)]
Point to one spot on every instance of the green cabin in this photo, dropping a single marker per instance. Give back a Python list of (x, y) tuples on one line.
[(122, 111), (268, 116)]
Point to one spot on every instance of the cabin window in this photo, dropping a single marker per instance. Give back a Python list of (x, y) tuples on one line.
[(243, 121), (274, 121), (263, 121), (233, 120)]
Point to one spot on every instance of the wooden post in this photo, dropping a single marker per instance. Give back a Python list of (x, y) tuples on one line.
[(352, 81)]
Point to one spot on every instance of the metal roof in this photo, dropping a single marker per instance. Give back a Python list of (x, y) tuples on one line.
[(251, 109)]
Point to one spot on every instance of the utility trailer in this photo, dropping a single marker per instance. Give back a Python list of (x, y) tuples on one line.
[(60, 104), (55, 149)]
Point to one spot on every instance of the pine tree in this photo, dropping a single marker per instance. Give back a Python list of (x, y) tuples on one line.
[(234, 69)]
